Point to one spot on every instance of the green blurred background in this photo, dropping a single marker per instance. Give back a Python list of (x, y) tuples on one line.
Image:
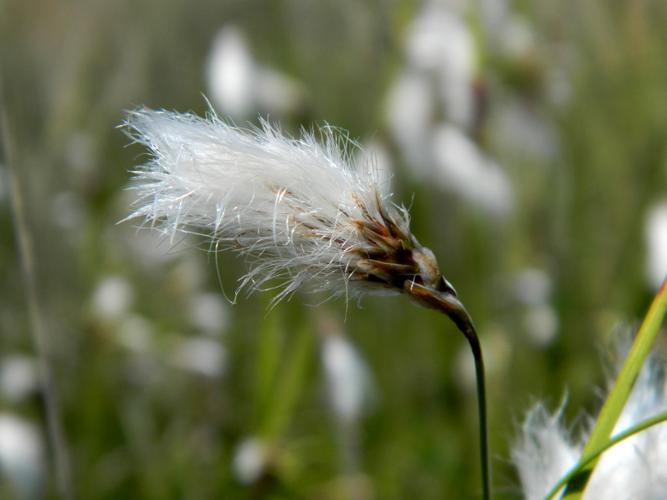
[(528, 137)]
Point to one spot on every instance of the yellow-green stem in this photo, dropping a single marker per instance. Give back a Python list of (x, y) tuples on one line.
[(618, 396), (587, 459)]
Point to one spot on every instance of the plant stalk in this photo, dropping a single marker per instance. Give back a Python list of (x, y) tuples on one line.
[(446, 302), (462, 320), (24, 243)]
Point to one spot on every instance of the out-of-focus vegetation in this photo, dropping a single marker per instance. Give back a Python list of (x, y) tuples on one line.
[(528, 138)]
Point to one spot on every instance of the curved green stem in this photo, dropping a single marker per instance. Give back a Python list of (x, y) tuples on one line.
[(476, 349), (447, 303), (588, 458)]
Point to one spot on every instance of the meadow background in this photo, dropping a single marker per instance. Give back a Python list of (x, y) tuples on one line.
[(527, 137)]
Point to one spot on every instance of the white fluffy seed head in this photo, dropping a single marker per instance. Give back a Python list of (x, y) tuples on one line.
[(543, 452), (300, 209), (634, 468), (347, 376)]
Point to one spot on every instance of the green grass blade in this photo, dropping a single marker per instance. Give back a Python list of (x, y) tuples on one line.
[(270, 346), (587, 459), (618, 396), (290, 382)]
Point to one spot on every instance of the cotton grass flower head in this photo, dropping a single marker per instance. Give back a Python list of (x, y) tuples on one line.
[(301, 210), (635, 468)]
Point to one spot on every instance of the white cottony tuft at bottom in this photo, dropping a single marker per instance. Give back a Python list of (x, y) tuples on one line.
[(635, 468)]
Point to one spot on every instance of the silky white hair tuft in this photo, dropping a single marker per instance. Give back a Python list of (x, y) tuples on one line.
[(634, 468), (301, 209)]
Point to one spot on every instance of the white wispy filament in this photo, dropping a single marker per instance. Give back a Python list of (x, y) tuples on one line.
[(300, 209), (636, 468)]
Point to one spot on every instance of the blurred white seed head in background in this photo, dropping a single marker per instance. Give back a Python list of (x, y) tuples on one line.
[(231, 73), (18, 377), (201, 356), (463, 168), (432, 106), (250, 459), (541, 324), (145, 248), (517, 40), (208, 312), (635, 468), (410, 113), (188, 275), (493, 15), (198, 355), (67, 210), (656, 244), (112, 298), (136, 334), (240, 87), (276, 94), (347, 375), (531, 288), (522, 132), (439, 41), (22, 460)]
